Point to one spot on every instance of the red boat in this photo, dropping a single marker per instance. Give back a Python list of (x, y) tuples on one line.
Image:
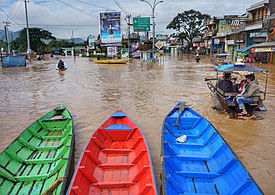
[(116, 160)]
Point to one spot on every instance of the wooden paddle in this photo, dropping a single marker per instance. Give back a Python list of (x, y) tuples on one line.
[(54, 186)]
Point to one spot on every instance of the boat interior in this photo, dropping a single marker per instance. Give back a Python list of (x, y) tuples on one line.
[(115, 161), (204, 163), (38, 157)]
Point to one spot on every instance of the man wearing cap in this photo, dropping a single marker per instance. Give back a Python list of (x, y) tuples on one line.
[(251, 93)]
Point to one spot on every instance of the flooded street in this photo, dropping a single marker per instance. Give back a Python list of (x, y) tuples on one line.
[(146, 92)]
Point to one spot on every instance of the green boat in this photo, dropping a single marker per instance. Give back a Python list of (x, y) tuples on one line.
[(39, 160)]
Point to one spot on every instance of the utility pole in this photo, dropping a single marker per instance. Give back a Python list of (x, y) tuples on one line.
[(7, 24), (28, 34), (153, 7), (73, 44), (129, 29)]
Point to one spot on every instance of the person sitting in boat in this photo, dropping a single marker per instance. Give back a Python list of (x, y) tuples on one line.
[(251, 93), (226, 84), (61, 65)]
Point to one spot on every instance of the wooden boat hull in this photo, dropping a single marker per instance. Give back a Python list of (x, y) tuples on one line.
[(118, 61), (116, 160), (39, 160), (204, 163)]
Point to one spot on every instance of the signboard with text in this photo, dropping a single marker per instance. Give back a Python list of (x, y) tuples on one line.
[(141, 24)]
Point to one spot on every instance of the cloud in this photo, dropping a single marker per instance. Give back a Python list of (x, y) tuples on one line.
[(55, 15)]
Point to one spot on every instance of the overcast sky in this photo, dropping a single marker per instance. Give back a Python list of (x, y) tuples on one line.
[(50, 14)]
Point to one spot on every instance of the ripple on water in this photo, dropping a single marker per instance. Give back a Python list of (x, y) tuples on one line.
[(146, 92)]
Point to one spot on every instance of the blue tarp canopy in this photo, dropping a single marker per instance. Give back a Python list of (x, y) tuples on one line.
[(245, 48), (229, 68), (13, 61)]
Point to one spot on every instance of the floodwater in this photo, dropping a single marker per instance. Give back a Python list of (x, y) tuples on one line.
[(146, 92)]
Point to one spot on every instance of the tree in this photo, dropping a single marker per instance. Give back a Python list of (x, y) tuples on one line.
[(189, 24), (36, 37)]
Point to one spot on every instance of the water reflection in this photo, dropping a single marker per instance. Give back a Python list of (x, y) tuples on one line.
[(145, 91)]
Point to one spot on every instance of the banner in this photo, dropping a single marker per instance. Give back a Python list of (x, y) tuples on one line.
[(124, 53), (111, 52), (110, 29), (91, 41)]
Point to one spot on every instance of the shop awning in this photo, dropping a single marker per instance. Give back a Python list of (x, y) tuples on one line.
[(245, 48), (264, 47)]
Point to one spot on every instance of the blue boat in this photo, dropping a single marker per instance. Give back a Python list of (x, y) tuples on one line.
[(197, 160)]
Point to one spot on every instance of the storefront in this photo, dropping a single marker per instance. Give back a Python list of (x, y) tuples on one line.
[(265, 52)]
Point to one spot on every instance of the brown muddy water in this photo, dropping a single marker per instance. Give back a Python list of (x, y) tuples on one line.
[(146, 92)]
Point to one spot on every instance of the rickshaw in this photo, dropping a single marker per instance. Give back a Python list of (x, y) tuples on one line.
[(227, 101)]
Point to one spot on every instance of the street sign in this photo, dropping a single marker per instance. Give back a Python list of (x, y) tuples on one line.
[(159, 44), (141, 24), (159, 36)]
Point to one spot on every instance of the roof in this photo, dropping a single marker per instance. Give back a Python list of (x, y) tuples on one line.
[(265, 44), (230, 68), (145, 46), (245, 48), (257, 5)]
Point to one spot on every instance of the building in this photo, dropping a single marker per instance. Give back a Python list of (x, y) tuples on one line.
[(257, 13)]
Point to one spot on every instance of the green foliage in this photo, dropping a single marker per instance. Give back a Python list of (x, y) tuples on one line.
[(36, 34), (58, 43), (189, 24)]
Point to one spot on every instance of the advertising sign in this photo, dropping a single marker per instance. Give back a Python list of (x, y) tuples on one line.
[(91, 41), (110, 29), (111, 52), (141, 24), (124, 53), (134, 46)]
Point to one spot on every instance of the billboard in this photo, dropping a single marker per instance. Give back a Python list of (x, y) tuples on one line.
[(110, 29), (91, 41)]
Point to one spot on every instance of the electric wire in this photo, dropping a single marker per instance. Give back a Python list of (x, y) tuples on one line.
[(77, 9), (16, 15), (10, 17), (106, 8), (13, 7)]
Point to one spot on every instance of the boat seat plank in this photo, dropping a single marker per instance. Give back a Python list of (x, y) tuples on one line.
[(116, 150), (97, 142), (118, 127), (197, 174), (116, 166), (141, 173), (147, 188), (114, 184), (119, 115), (87, 174), (241, 187), (92, 157), (131, 134), (101, 130), (136, 143), (76, 190), (54, 119)]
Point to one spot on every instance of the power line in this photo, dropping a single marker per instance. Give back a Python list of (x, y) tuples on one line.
[(13, 8), (77, 9), (10, 17), (122, 8), (92, 4), (18, 12)]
